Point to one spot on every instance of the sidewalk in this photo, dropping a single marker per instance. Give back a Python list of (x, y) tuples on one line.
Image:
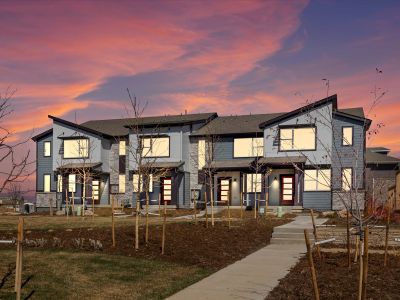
[(254, 276)]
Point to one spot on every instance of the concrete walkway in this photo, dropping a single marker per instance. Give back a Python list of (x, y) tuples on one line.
[(254, 276)]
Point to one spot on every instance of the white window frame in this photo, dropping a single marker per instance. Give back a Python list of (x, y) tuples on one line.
[(292, 139), (255, 147), (81, 151), (320, 177), (47, 149), (253, 183), (46, 183), (149, 143), (71, 183)]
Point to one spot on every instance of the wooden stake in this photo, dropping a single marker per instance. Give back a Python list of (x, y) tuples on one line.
[(205, 201), (266, 202), (67, 202), (163, 228), (360, 278), (365, 264), (229, 212), (112, 221), (73, 204), (159, 204), (315, 233), (137, 221), (147, 218), (18, 264), (387, 238), (241, 205), (255, 206), (311, 264), (348, 241), (195, 208), (356, 252)]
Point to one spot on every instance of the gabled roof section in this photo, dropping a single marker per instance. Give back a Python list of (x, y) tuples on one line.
[(241, 124), (42, 135), (373, 157), (81, 127), (331, 99), (356, 113)]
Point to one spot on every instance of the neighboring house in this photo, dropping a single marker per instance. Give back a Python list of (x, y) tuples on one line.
[(311, 157), (380, 173)]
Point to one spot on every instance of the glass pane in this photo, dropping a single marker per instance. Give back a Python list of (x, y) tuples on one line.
[(224, 193), (346, 179), (287, 197), (167, 192), (225, 182), (167, 198), (286, 144), (347, 136), (122, 148), (287, 180), (242, 147), (167, 181), (310, 185), (224, 198), (288, 185), (304, 138), (324, 180), (202, 153)]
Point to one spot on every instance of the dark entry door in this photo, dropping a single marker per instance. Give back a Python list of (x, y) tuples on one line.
[(166, 190), (224, 190), (287, 190)]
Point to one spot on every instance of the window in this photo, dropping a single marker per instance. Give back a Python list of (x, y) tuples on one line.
[(95, 189), (47, 149), (347, 179), (253, 183), (46, 183), (121, 184), (317, 180), (155, 146), (76, 148), (72, 183), (297, 138), (202, 154), (248, 147), (347, 136), (122, 147), (142, 183), (59, 183)]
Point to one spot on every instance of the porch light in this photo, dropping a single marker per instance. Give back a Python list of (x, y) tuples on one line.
[(275, 179)]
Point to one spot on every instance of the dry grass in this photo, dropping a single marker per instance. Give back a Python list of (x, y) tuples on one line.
[(74, 275)]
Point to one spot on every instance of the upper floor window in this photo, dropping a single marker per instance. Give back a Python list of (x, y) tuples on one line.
[(347, 179), (76, 148), (155, 146), (347, 136), (302, 138), (47, 149), (317, 180), (46, 183), (122, 147), (248, 147), (201, 154)]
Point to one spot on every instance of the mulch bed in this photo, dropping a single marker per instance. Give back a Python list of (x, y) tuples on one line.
[(186, 243), (335, 281)]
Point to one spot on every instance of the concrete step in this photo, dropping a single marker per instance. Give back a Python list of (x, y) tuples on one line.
[(284, 241), (288, 235), (290, 230)]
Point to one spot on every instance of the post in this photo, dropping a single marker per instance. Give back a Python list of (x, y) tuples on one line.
[(348, 240), (159, 204), (229, 211), (365, 263), (212, 203), (387, 237), (241, 205), (356, 248), (315, 233), (266, 200), (205, 201), (83, 194), (361, 272), (51, 206), (18, 264), (195, 208), (112, 221), (311, 264), (73, 203), (255, 205), (163, 228)]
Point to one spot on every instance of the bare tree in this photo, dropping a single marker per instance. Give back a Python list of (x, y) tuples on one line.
[(15, 193)]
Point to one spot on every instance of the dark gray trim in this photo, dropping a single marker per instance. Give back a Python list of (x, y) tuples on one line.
[(158, 136), (296, 127), (44, 148)]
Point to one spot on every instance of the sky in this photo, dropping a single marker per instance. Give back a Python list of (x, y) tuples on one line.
[(76, 59)]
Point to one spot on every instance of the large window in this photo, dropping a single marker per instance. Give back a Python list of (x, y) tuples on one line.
[(155, 147), (254, 183), (59, 183), (248, 147), (297, 138), (122, 147), (347, 179), (121, 184), (202, 153), (46, 183), (72, 183), (317, 180), (143, 184), (347, 136), (47, 149), (76, 148)]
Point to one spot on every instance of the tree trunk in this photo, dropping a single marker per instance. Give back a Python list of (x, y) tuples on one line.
[(137, 220), (67, 202), (84, 195), (348, 240), (206, 212), (147, 217), (163, 229), (212, 202), (112, 221), (365, 263)]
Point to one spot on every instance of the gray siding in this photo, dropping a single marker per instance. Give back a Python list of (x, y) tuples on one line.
[(317, 200), (224, 148), (44, 165)]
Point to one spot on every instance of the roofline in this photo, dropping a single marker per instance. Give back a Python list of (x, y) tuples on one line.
[(213, 116), (68, 123), (346, 115), (313, 105), (43, 134)]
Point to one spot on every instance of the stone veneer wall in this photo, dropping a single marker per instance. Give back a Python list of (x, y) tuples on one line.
[(339, 197)]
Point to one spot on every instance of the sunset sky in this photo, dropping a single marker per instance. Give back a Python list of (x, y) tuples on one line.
[(77, 58)]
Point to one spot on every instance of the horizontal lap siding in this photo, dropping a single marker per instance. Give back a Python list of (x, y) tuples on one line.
[(44, 165), (224, 149), (317, 200)]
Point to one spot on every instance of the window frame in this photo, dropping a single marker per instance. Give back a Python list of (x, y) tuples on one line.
[(293, 127), (44, 148), (252, 146), (254, 184), (351, 179), (142, 138), (77, 138), (352, 136), (44, 182), (317, 180)]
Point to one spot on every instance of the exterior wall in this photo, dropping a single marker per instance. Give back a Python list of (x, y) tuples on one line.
[(235, 186), (317, 200), (44, 165), (339, 198), (323, 135), (45, 199), (274, 185), (224, 148)]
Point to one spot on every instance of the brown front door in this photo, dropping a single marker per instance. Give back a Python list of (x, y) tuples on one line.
[(287, 190), (166, 190), (224, 191)]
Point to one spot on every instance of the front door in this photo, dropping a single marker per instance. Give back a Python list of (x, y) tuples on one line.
[(287, 190), (166, 190), (224, 190)]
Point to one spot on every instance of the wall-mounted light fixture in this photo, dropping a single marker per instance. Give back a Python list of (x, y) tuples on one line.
[(275, 179), (234, 179)]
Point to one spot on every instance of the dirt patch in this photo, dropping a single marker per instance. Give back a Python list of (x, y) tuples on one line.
[(186, 243), (335, 281)]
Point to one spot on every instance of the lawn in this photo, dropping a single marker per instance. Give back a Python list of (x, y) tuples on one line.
[(64, 274)]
